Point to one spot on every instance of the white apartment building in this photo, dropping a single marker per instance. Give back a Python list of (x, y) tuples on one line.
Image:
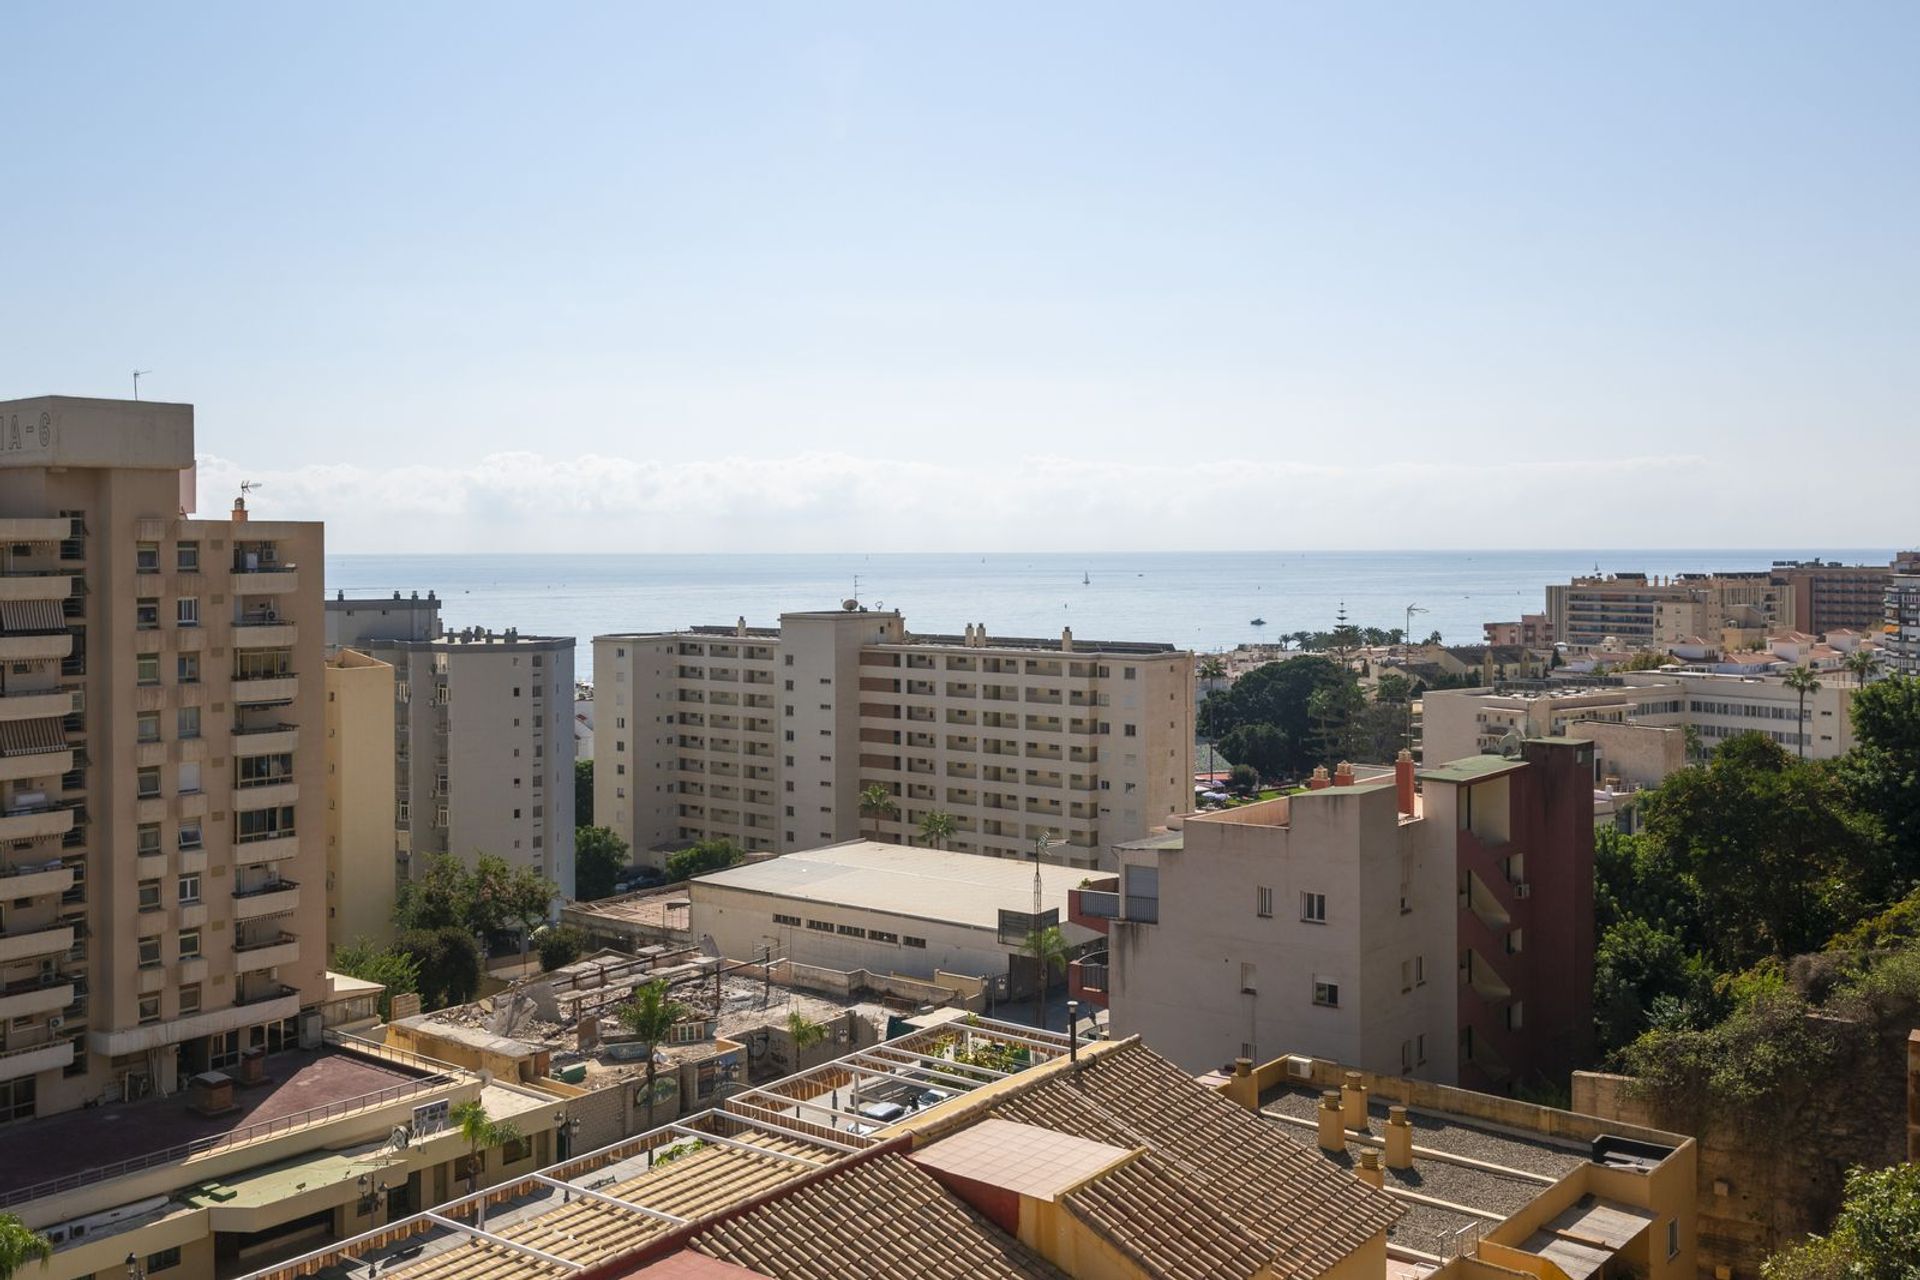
[(1635, 611), (767, 736), (1458, 722), (161, 791), (483, 734), (1902, 629)]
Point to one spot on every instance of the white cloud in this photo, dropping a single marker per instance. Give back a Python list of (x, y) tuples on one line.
[(817, 501)]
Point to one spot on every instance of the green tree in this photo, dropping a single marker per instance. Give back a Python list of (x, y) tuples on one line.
[(599, 856), (396, 970), (446, 963), (583, 793), (1212, 671), (479, 1130), (1276, 694), (1260, 747), (1876, 1236), (1882, 774), (805, 1034), (649, 1016), (1335, 710), (1769, 841), (559, 946), (1803, 682), (1636, 968), (701, 858), (510, 898), (936, 828), (1861, 664), (440, 895), (1048, 947), (1646, 660), (1243, 780), (877, 802), (19, 1245)]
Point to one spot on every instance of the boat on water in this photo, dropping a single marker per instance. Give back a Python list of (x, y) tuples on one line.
[(1086, 578), (1258, 622)]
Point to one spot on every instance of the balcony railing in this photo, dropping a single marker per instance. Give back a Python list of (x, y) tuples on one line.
[(270, 991), (271, 886)]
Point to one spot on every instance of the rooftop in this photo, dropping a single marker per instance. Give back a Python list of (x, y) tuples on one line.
[(1471, 769), (74, 1143), (966, 889)]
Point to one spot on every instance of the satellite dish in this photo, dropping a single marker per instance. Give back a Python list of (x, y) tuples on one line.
[(849, 605), (1510, 743)]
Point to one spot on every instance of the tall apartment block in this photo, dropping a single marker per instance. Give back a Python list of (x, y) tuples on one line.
[(767, 736), (1325, 922), (1831, 597), (161, 793), (1900, 627), (1642, 612), (482, 734)]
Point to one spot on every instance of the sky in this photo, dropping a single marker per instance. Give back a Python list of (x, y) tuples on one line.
[(817, 276)]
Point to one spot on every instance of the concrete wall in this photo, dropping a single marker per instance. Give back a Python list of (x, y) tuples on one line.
[(741, 923), (361, 882)]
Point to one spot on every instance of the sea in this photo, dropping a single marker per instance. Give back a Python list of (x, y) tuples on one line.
[(1205, 601)]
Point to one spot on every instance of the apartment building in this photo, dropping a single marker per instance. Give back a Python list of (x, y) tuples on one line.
[(161, 789), (1532, 631), (1634, 716), (1326, 921), (1832, 597), (1900, 625), (482, 736), (1642, 612), (362, 872), (768, 736)]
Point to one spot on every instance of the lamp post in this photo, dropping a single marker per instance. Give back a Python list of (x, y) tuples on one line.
[(565, 1133), (134, 1270)]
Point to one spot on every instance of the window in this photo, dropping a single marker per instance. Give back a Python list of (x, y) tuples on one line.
[(147, 782), (820, 926), (186, 668), (1263, 902), (1419, 971), (146, 669), (260, 771), (1516, 1016), (149, 953), (147, 726), (189, 944), (1249, 978), (146, 557), (881, 935), (782, 919), (150, 1005), (1673, 1237), (149, 895), (186, 559), (146, 839), (16, 1099), (146, 614), (189, 889), (1406, 975), (1131, 731), (188, 723), (189, 779), (190, 834), (265, 824), (1516, 942), (186, 611), (1326, 994), (190, 998), (1127, 673), (1406, 1055), (910, 941), (1420, 1049), (1313, 908), (852, 931)]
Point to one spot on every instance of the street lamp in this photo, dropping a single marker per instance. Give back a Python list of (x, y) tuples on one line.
[(565, 1133), (134, 1270)]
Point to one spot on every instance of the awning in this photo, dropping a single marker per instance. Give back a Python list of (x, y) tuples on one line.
[(32, 615), (32, 737)]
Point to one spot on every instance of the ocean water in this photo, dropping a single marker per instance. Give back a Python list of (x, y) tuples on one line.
[(1198, 600)]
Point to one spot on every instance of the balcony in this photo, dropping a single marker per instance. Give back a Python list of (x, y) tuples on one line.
[(271, 580), (39, 584), (265, 739), (44, 940), (35, 995), (265, 793), (42, 647), (35, 880), (1087, 980), (266, 953), (250, 994), (36, 822), (36, 528), (253, 633), (28, 1060), (261, 689), (272, 848), (1093, 908), (275, 897), (39, 704)]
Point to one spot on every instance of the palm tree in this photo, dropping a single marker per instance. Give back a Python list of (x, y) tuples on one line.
[(1862, 663), (19, 1245), (650, 1016), (937, 828), (876, 802), (1049, 949), (805, 1032), (1803, 682), (478, 1129), (1212, 671)]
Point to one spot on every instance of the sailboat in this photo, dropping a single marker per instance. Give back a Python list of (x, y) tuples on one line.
[(1086, 578)]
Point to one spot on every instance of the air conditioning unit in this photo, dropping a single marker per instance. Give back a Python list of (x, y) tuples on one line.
[(1523, 890), (1300, 1068), (56, 1022)]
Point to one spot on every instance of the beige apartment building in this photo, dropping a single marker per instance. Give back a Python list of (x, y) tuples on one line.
[(161, 788), (767, 736), (1901, 628), (482, 734), (362, 872), (1641, 612)]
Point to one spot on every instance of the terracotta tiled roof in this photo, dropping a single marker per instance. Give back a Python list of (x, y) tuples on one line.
[(1152, 1217), (1308, 1213), (885, 1219)]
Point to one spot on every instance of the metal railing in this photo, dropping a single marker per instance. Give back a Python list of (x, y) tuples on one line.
[(227, 1141), (272, 886)]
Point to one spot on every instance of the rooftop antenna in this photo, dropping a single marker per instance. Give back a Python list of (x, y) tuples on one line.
[(248, 486), (137, 375)]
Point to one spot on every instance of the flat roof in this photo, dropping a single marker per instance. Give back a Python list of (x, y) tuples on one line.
[(1472, 768), (965, 889)]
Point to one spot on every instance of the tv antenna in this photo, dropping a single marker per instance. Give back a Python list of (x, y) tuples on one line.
[(248, 486), (137, 375)]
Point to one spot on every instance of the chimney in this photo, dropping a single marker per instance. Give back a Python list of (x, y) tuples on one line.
[(740, 625), (1369, 1171), (1353, 1101), (1242, 1087), (1333, 1134), (1403, 779), (1399, 1139), (239, 510), (1319, 781), (1343, 774), (1066, 639)]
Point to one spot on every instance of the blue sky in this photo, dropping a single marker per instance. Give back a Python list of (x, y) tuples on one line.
[(900, 277)]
